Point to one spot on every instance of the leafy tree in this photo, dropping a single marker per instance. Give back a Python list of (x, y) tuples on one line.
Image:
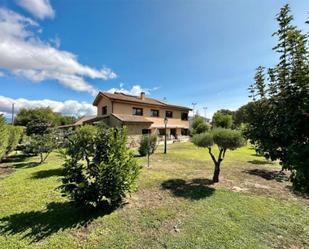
[(279, 125), (199, 125), (148, 145), (65, 120), (109, 173), (4, 135), (222, 120), (37, 120), (242, 115), (41, 145), (225, 139), (15, 135)]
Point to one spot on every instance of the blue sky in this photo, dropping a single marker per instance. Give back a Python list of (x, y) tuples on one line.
[(186, 51)]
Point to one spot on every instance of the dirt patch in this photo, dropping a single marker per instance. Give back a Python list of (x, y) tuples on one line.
[(6, 171), (144, 198)]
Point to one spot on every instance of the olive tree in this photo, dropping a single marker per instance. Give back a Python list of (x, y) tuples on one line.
[(41, 145), (225, 139)]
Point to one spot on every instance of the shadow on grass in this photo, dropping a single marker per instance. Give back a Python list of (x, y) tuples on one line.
[(260, 162), (25, 165), (37, 225), (195, 189), (47, 173), (268, 174), (14, 158)]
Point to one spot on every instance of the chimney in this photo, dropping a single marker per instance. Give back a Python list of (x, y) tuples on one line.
[(142, 95)]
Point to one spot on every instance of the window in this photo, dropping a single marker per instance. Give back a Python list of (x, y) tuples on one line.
[(145, 131), (168, 114), (137, 111), (184, 116), (104, 110), (154, 113), (161, 132)]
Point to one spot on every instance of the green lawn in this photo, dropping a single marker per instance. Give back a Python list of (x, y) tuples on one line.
[(175, 207)]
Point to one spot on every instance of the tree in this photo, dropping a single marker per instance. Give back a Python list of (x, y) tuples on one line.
[(4, 135), (65, 120), (279, 126), (109, 173), (199, 125), (222, 120), (148, 145), (225, 139), (242, 114), (37, 120), (41, 145)]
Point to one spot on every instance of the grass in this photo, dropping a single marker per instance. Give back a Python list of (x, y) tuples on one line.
[(176, 206)]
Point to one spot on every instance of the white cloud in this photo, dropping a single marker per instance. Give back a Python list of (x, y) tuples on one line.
[(135, 90), (2, 74), (24, 54), (68, 107), (38, 8)]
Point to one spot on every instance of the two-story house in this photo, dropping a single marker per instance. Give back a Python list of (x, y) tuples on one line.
[(141, 114)]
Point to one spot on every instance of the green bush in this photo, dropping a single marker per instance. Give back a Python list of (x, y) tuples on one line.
[(4, 137), (99, 169), (15, 136), (148, 145), (199, 125)]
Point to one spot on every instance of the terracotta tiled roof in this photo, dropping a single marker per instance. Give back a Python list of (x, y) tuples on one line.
[(131, 118), (136, 99), (84, 119)]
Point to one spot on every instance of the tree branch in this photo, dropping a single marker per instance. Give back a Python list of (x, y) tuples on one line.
[(212, 156)]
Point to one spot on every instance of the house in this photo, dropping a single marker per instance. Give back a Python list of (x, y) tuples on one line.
[(141, 115)]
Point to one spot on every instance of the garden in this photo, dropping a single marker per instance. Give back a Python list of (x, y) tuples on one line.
[(176, 205), (241, 181)]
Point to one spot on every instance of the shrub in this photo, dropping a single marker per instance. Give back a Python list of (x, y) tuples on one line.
[(109, 171), (199, 125), (148, 145), (15, 136), (4, 135), (225, 139)]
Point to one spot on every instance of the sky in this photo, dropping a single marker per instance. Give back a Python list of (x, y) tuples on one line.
[(61, 53)]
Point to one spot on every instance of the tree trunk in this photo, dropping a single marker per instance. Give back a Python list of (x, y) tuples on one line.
[(216, 172), (41, 156)]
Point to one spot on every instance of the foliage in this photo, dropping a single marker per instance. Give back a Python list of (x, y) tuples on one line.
[(242, 114), (41, 145), (279, 122), (38, 120), (99, 169), (222, 120), (34, 215), (4, 136), (65, 120), (225, 139), (148, 145), (15, 136), (199, 125)]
